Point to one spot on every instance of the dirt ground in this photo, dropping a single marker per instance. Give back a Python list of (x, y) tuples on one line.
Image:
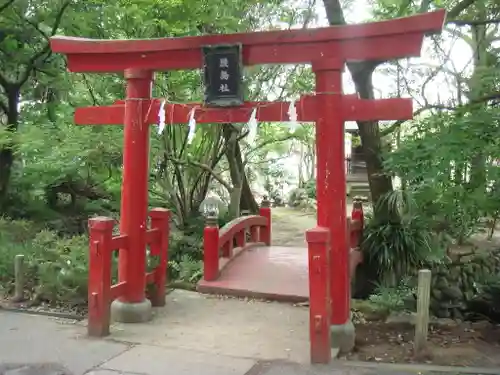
[(464, 344)]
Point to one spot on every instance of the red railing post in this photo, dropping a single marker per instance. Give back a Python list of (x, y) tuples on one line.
[(241, 238), (254, 234), (318, 240), (265, 232), (211, 249), (99, 282), (357, 217), (355, 225), (160, 219)]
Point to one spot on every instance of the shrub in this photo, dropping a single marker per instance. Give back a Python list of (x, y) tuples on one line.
[(393, 299), (397, 240), (56, 268)]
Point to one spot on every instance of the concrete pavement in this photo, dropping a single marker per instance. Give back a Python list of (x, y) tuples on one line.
[(192, 335)]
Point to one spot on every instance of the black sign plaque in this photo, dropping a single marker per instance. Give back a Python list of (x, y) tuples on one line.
[(223, 73)]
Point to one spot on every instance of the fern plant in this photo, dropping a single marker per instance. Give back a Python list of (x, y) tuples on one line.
[(397, 239)]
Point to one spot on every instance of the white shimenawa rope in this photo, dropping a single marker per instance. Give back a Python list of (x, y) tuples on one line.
[(252, 127), (292, 116), (161, 118), (192, 127)]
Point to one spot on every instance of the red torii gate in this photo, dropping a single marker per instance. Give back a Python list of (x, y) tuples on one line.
[(327, 49)]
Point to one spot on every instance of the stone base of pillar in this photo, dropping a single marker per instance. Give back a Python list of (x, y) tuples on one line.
[(125, 312), (343, 337)]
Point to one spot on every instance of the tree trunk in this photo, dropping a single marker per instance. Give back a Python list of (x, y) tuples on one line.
[(371, 142), (237, 171), (7, 152), (369, 133), (479, 43)]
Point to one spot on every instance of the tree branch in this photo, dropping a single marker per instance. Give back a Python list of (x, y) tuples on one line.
[(204, 167), (270, 141), (6, 5), (46, 50), (459, 8), (474, 23), (397, 124)]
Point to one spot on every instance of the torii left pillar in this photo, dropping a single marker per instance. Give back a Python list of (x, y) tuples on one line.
[(133, 306)]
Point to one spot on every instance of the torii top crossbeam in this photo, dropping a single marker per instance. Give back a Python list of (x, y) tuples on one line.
[(383, 40)]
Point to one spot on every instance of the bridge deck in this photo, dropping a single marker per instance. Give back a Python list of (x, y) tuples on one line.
[(275, 273)]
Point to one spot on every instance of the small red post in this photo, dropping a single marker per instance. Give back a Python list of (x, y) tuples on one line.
[(357, 217), (211, 249), (160, 219), (99, 283), (265, 232), (227, 249), (318, 240), (241, 238), (254, 234), (134, 205)]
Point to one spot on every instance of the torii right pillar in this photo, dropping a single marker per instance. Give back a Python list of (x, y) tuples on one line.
[(331, 195)]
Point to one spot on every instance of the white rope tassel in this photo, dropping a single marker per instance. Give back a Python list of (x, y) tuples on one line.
[(192, 127), (292, 116), (252, 127), (161, 118)]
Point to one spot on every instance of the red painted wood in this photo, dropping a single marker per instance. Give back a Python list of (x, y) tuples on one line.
[(153, 237), (99, 283), (353, 109), (229, 231), (318, 240), (380, 40), (134, 203), (265, 230), (210, 253), (119, 242), (331, 191), (357, 217), (227, 249), (270, 272), (241, 238), (117, 290), (160, 221), (254, 233)]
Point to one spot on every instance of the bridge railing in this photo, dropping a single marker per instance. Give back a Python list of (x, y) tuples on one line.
[(221, 245), (102, 244), (355, 226)]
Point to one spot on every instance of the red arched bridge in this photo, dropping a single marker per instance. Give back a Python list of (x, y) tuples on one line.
[(240, 261)]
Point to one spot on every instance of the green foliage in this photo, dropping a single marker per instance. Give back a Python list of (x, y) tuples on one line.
[(449, 164), (393, 299), (310, 188), (398, 242), (487, 300), (56, 268)]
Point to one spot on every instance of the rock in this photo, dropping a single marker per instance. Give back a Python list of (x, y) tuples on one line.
[(453, 293), (443, 313), (480, 325), (444, 322), (437, 294), (442, 283), (457, 314)]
